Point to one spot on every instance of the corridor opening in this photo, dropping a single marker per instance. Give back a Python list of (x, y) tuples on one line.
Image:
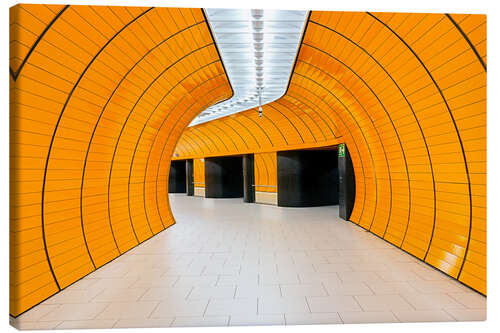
[(224, 177), (308, 178), (177, 177)]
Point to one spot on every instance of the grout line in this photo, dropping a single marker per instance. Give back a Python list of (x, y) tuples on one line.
[(206, 307), (308, 306), (189, 293), (156, 307)]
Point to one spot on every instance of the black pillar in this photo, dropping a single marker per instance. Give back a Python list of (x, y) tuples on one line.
[(189, 178), (224, 177), (177, 177), (248, 179), (307, 178), (347, 185)]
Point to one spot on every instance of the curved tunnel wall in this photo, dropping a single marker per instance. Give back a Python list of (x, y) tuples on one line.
[(407, 94), (99, 98)]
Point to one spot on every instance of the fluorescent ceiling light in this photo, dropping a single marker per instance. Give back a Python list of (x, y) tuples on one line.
[(258, 48)]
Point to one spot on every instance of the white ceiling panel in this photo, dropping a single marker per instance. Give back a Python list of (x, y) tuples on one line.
[(258, 48)]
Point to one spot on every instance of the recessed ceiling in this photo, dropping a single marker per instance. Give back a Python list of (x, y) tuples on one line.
[(258, 48)]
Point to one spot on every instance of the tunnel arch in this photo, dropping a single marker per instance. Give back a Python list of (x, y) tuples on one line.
[(410, 88), (102, 97)]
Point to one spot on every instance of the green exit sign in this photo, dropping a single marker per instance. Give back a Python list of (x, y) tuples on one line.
[(341, 150)]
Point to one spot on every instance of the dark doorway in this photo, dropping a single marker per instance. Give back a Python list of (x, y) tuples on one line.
[(308, 178), (177, 177), (189, 177), (248, 179), (224, 177), (347, 185)]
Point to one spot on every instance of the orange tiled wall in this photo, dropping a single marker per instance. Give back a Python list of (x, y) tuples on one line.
[(407, 94), (99, 98), (265, 172), (199, 172)]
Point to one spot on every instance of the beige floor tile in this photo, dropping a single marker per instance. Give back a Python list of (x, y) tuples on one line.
[(399, 275), (278, 278), (333, 304), (277, 305), (128, 310), (84, 284), (120, 295), (224, 307), (381, 288), (242, 279), (255, 320), (358, 276), (347, 288), (86, 324), (143, 323), (423, 316), (114, 283), (382, 302), (249, 291), (35, 325), (192, 281), (432, 301), (177, 308), (155, 281), (331, 268), (37, 313), (201, 292), (468, 314), (368, 317), (71, 295), (263, 256), (313, 278), (207, 321), (85, 311), (428, 287), (295, 290), (162, 294), (471, 300), (312, 318)]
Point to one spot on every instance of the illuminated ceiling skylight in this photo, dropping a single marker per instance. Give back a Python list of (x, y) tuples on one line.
[(258, 48)]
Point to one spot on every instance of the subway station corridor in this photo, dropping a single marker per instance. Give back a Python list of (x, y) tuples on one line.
[(229, 263), (210, 166)]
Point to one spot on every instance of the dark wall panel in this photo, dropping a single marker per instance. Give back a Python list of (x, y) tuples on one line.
[(224, 177), (248, 178), (307, 178), (177, 177), (347, 187), (189, 178)]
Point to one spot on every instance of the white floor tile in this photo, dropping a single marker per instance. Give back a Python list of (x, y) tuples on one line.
[(278, 305), (128, 310), (277, 270), (255, 320), (207, 321), (201, 292), (467, 314), (432, 301), (423, 316), (144, 323), (470, 300), (368, 317), (333, 304), (86, 324), (175, 308), (382, 303), (84, 311), (224, 307), (303, 290), (312, 318)]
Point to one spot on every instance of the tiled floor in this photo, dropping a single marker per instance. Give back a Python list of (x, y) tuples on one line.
[(230, 263)]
